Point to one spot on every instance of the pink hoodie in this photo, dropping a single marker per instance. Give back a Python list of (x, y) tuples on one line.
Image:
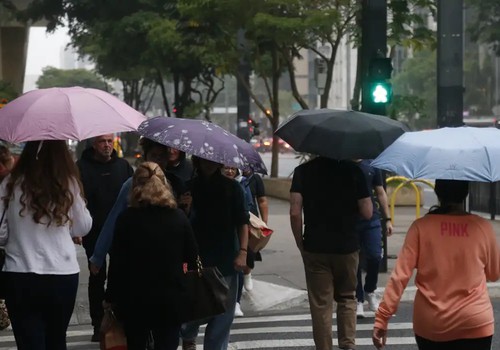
[(454, 256)]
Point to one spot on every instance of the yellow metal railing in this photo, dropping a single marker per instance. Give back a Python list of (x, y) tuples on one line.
[(404, 182)]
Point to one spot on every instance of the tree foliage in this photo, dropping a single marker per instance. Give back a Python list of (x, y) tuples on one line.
[(7, 91), (415, 90), (485, 27), (54, 77), (142, 43)]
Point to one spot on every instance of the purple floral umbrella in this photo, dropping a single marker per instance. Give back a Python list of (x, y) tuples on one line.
[(205, 140)]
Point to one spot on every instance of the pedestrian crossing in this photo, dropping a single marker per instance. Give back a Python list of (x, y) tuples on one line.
[(272, 332)]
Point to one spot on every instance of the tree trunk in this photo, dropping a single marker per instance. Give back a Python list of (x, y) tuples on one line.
[(330, 65), (293, 82), (163, 94)]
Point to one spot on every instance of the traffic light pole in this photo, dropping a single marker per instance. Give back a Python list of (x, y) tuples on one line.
[(373, 46)]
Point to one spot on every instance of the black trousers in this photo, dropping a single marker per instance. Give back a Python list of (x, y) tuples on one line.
[(459, 344), (40, 308), (95, 287)]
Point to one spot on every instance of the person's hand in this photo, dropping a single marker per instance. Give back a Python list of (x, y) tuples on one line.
[(94, 269), (300, 245), (389, 228), (185, 201), (77, 240), (379, 337), (241, 261)]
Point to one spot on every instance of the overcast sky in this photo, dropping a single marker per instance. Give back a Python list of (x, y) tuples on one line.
[(44, 49)]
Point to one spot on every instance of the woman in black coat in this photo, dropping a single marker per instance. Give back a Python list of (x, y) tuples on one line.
[(152, 243)]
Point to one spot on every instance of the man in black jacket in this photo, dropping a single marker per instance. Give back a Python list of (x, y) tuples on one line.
[(102, 174)]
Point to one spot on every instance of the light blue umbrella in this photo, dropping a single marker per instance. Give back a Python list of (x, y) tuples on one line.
[(462, 153)]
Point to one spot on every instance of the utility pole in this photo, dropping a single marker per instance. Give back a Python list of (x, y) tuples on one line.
[(242, 95), (450, 89)]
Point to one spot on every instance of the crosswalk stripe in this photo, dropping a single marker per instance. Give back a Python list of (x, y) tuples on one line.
[(297, 343), (359, 327), (300, 317), (294, 336)]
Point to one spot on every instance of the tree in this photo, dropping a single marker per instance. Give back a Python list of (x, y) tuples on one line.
[(406, 27), (415, 90), (275, 32), (7, 92), (141, 43), (485, 27), (53, 77)]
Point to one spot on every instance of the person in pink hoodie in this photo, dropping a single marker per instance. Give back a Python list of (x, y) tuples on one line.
[(455, 253)]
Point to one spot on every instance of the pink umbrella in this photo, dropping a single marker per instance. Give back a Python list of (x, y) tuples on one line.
[(65, 113)]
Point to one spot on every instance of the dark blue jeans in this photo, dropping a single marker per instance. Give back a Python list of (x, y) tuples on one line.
[(370, 240), (40, 308)]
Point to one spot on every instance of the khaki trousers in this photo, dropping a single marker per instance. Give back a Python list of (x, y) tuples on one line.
[(332, 277)]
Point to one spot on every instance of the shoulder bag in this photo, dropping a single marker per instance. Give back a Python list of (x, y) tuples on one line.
[(206, 293)]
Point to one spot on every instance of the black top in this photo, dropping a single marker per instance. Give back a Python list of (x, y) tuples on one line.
[(330, 190), (150, 245), (218, 211), (101, 184), (374, 179)]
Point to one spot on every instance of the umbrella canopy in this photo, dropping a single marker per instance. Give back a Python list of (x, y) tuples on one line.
[(204, 140), (461, 153), (65, 113), (340, 134)]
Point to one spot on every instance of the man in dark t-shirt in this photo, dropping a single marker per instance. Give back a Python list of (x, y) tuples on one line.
[(331, 194)]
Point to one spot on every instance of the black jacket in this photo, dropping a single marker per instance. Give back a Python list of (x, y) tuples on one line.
[(101, 184), (150, 245)]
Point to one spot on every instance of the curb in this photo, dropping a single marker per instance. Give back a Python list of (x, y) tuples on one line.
[(266, 296), (272, 297)]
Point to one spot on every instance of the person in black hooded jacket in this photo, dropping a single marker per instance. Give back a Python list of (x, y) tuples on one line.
[(102, 174)]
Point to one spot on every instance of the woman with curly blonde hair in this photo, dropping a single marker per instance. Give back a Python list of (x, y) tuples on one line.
[(152, 241), (44, 214)]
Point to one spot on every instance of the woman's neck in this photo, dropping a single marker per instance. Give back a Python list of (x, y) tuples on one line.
[(455, 208)]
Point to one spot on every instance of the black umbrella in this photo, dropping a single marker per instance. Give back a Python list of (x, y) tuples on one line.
[(340, 134)]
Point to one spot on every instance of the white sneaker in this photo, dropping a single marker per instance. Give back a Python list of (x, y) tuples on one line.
[(237, 310), (247, 282), (360, 313), (373, 301)]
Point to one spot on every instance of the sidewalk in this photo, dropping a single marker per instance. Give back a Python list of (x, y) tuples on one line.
[(282, 264)]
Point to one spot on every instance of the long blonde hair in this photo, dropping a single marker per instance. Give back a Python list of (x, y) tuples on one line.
[(150, 187)]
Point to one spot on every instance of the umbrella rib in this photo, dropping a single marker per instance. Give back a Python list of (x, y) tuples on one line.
[(75, 125)]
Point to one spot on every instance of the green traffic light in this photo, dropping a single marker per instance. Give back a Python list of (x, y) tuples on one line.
[(380, 94)]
